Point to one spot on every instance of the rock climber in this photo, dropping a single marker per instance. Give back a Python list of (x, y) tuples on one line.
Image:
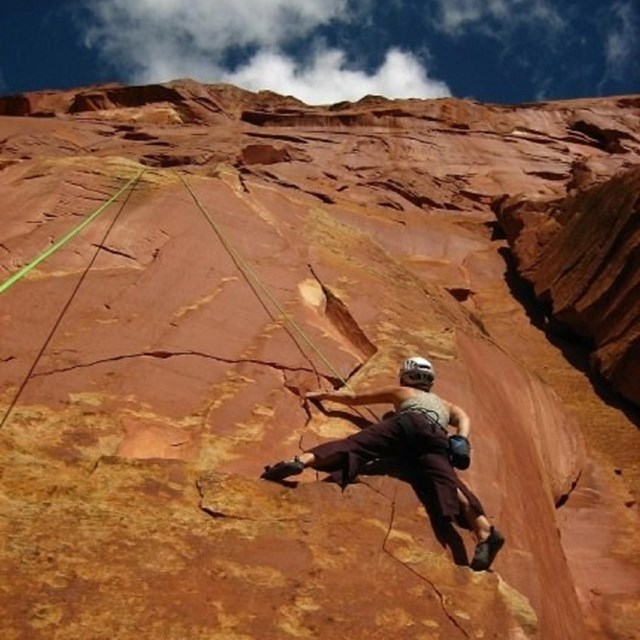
[(417, 429)]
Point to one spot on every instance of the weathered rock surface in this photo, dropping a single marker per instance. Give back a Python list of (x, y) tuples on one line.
[(156, 362), (582, 255)]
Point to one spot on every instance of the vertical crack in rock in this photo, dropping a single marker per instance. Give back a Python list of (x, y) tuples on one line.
[(339, 316), (95, 465), (243, 182), (435, 589), (562, 500)]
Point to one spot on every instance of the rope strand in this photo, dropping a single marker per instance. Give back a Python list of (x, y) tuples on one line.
[(245, 267), (132, 184), (9, 282)]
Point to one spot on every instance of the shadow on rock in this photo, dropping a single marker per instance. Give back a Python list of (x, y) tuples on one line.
[(575, 349)]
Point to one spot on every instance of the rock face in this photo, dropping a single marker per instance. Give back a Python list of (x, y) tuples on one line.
[(582, 255), (259, 248)]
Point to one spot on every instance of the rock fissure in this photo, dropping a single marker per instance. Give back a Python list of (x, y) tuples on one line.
[(606, 139), (340, 317), (439, 595), (100, 193), (272, 177), (115, 252), (415, 199), (612, 246), (276, 136), (562, 500), (164, 355)]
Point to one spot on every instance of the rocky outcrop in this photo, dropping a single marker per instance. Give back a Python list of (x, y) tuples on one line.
[(153, 364), (582, 256)]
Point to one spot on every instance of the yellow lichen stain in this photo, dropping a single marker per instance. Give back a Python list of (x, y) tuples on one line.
[(244, 432), (38, 274), (227, 389), (290, 621), (215, 451), (263, 411), (241, 497), (431, 624), (305, 602), (405, 549), (44, 615), (393, 619), (218, 449), (323, 559), (332, 429), (519, 607), (261, 576), (290, 625), (418, 591), (204, 300), (150, 416), (463, 615), (383, 527), (226, 621), (87, 398)]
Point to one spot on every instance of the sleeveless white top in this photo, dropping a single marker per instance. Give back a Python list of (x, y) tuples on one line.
[(428, 403)]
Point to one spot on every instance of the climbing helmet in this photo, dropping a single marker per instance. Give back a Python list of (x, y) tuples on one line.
[(417, 372)]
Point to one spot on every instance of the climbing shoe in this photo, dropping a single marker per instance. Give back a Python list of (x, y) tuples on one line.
[(487, 550), (283, 470)]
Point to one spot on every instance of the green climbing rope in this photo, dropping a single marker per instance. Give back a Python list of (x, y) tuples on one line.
[(7, 284)]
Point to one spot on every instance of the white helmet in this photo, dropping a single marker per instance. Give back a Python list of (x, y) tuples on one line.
[(417, 372)]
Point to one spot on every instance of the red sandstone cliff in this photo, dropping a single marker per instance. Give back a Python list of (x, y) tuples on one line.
[(151, 366)]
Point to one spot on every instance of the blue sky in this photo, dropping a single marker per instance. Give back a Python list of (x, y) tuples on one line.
[(323, 51)]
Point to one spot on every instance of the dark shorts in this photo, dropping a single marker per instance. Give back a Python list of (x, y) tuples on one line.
[(408, 436)]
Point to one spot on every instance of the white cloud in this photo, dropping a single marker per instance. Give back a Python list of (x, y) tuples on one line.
[(159, 40), (328, 79), (457, 16), (210, 25), (621, 45)]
